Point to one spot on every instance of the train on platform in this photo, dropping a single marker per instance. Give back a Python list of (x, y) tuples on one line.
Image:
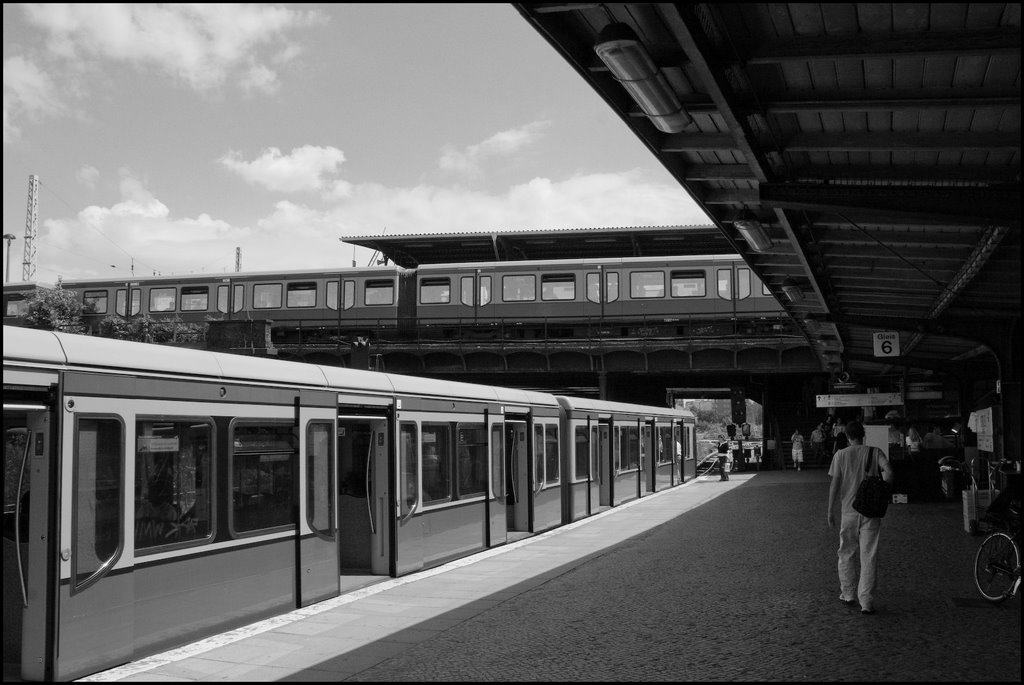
[(155, 495), (687, 296)]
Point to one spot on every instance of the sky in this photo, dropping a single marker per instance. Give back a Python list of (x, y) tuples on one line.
[(166, 136)]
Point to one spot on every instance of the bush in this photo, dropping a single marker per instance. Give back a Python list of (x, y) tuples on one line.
[(54, 310)]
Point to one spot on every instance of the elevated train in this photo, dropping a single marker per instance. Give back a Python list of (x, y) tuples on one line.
[(574, 299), (155, 495)]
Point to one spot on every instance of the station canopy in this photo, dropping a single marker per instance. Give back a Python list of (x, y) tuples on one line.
[(574, 243)]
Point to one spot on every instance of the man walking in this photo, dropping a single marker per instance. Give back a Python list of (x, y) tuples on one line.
[(858, 534)]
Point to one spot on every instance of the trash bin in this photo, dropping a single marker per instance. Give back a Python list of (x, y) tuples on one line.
[(952, 480)]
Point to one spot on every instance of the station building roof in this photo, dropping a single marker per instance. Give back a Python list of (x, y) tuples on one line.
[(573, 243)]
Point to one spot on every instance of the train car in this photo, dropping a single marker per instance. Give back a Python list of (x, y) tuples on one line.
[(689, 296), (298, 302), (628, 451), (16, 299), (155, 495), (628, 297)]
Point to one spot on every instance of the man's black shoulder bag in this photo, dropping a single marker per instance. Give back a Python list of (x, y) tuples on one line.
[(872, 497)]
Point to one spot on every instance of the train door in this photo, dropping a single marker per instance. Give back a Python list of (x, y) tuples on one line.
[(606, 468), (317, 532), (96, 613), (363, 522), (595, 476), (29, 529), (517, 476), (497, 513)]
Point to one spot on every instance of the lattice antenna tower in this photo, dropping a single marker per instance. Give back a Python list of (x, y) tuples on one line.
[(238, 259), (28, 263)]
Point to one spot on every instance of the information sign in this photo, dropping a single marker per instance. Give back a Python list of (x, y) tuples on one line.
[(887, 343), (873, 399)]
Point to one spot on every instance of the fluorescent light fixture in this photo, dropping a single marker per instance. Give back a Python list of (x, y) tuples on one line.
[(792, 290), (752, 231), (628, 61)]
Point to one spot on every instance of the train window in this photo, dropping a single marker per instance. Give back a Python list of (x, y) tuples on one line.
[(558, 287), (332, 294), (349, 294), (582, 453), (629, 448), (466, 290), (17, 305), (435, 291), (437, 476), (594, 287), (485, 290), (519, 288), (646, 284), (409, 468), (94, 302), (319, 467), (538, 453), (195, 299), (162, 299), (666, 448), (266, 296), (97, 490), (471, 467), (379, 292), (551, 454), (173, 479), (237, 302), (611, 286), (725, 284), (301, 295), (262, 473), (765, 290), (688, 284), (742, 284), (611, 293), (497, 461), (122, 295)]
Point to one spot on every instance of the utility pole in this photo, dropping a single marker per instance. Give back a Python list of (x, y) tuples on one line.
[(28, 264)]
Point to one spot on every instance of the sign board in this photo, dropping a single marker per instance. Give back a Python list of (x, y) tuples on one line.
[(874, 399), (887, 343)]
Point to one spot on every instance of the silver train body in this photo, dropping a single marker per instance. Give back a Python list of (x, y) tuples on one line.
[(155, 495)]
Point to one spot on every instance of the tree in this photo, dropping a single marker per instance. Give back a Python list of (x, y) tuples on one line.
[(54, 309)]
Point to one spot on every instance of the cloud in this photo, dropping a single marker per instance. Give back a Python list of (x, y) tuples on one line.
[(501, 144), (201, 45), (88, 176), (28, 91), (305, 169)]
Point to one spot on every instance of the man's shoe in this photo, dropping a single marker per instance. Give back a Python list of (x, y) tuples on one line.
[(848, 602), (868, 612)]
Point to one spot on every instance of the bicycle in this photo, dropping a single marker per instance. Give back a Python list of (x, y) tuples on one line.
[(997, 563)]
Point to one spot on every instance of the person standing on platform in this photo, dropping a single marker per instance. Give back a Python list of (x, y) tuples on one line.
[(858, 534), (841, 438), (798, 448), (818, 442)]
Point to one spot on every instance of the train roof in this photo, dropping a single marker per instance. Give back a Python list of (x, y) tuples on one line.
[(235, 275), (606, 407), (57, 349), (569, 263)]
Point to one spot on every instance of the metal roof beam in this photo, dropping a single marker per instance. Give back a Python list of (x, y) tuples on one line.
[(985, 205), (684, 22), (860, 45), (845, 141)]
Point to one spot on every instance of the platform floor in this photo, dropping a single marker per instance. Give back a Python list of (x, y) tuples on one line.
[(712, 581)]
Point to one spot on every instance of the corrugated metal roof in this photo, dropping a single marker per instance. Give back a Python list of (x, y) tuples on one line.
[(878, 144)]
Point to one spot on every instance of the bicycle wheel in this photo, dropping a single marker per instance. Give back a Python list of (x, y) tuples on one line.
[(994, 566)]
